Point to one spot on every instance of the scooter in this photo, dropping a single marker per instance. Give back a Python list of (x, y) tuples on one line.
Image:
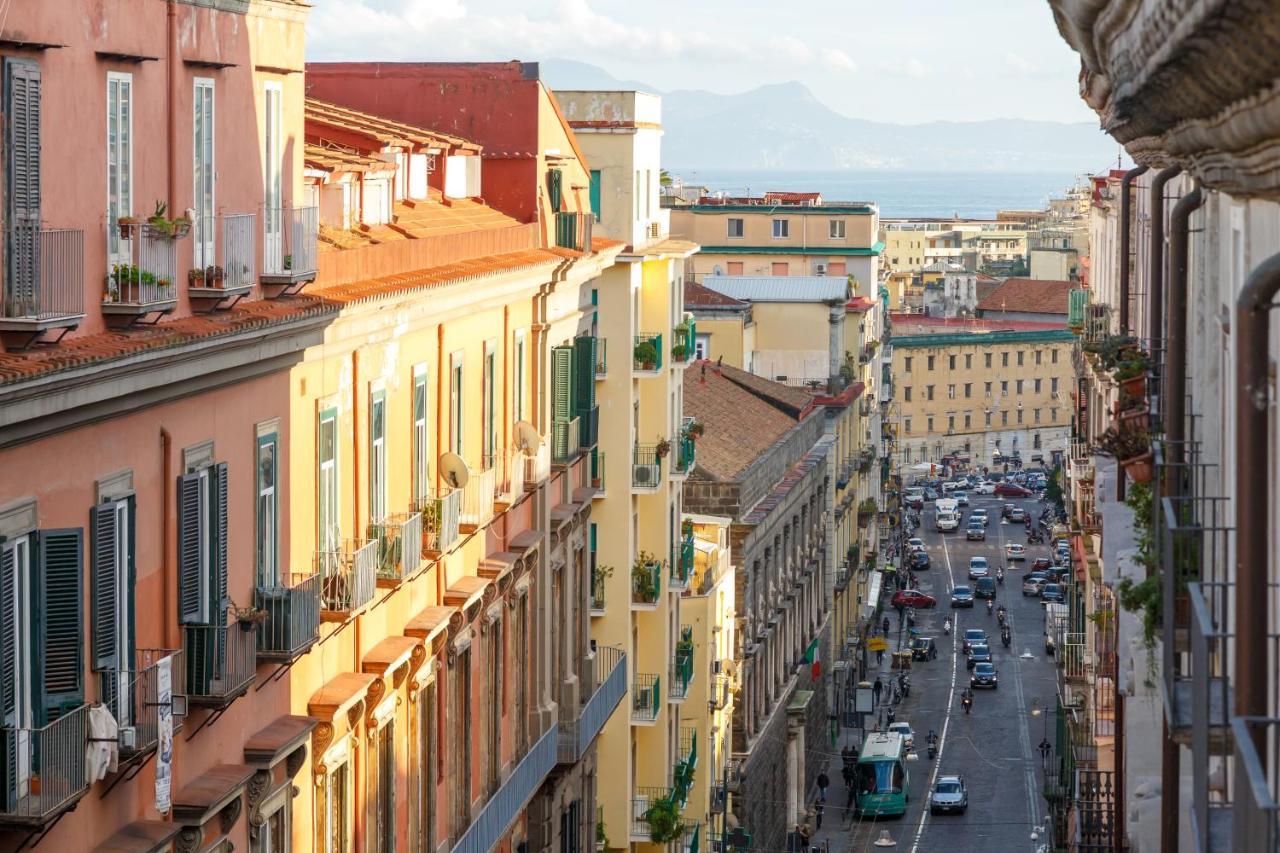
[(1000, 576), (990, 607), (1006, 637), (967, 702), (946, 626), (933, 746), (1001, 615), (904, 685)]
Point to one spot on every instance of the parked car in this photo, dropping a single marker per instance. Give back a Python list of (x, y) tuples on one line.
[(986, 487), (978, 568), (978, 653), (952, 485), (1012, 490), (1055, 574), (980, 515), (919, 561), (923, 648), (948, 795), (984, 675), (985, 588), (975, 530), (1006, 509), (1052, 593), (974, 637), (961, 596), (914, 498), (1034, 583), (913, 598), (930, 494), (1015, 551)]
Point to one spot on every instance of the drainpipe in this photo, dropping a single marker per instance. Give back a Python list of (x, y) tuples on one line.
[(1126, 248), (1253, 509), (171, 78), (1155, 296), (1174, 390), (167, 570)]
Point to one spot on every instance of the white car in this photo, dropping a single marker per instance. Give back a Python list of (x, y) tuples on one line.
[(986, 487), (978, 568), (953, 485), (908, 736), (915, 544), (981, 515), (1015, 551), (961, 498)]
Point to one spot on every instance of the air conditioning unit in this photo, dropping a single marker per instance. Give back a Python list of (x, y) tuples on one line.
[(819, 269)]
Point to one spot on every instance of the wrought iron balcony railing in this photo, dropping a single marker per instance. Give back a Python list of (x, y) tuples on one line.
[(1209, 704), (45, 769), (508, 802), (290, 237), (573, 230), (222, 662), (477, 497), (293, 617), (399, 545), (606, 685), (46, 278), (565, 437), (647, 353), (142, 275), (646, 698), (646, 584), (440, 520), (349, 575), (132, 696), (646, 467)]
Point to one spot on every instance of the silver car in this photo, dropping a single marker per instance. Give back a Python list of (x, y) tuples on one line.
[(948, 795)]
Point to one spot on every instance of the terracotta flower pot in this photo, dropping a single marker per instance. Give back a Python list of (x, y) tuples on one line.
[(1140, 469), (1135, 387), (1135, 419)]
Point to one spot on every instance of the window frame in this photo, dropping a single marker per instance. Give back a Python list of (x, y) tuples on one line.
[(204, 238), (729, 229), (377, 455), (268, 574), (781, 229), (327, 535), (837, 229), (120, 193)]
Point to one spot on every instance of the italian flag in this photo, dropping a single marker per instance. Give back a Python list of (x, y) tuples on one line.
[(812, 658)]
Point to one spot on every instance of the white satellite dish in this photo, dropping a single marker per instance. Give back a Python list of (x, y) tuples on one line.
[(527, 438), (454, 469)]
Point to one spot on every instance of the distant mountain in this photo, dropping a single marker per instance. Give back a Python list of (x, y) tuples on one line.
[(783, 126)]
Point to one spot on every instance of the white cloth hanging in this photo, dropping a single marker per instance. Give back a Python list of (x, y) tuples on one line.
[(103, 750)]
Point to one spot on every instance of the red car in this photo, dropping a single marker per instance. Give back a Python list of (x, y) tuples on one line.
[(1041, 564), (1012, 490), (913, 598)]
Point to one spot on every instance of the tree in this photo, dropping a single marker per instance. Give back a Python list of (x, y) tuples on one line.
[(1053, 491), (664, 177)]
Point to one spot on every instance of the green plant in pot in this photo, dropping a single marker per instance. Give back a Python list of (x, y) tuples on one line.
[(664, 821), (646, 355), (1131, 448), (644, 580), (679, 351)]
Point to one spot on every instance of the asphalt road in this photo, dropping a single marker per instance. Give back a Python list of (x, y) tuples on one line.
[(994, 747)]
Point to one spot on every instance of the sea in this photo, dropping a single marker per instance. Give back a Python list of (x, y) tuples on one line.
[(900, 194)]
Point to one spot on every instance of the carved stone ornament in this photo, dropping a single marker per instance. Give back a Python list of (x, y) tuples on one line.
[(321, 737), (188, 840), (372, 699), (417, 658), (356, 711), (230, 814), (457, 624), (296, 759), (257, 786)]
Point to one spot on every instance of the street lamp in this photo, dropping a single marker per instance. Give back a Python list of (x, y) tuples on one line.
[(1045, 746)]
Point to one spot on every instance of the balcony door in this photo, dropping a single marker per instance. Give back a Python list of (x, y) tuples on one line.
[(273, 185), (119, 160), (112, 580), (19, 683), (205, 223)]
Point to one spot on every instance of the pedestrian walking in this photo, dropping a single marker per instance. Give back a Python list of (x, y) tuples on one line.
[(823, 783), (878, 687), (879, 657), (817, 815), (884, 625)]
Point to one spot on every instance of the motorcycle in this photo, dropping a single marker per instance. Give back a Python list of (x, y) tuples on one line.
[(990, 607), (904, 685), (890, 715), (1006, 637), (1000, 576), (1001, 615), (946, 626), (933, 745), (967, 701)]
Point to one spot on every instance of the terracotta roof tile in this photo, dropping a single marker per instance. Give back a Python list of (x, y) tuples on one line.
[(906, 324), (384, 130), (1029, 296), (859, 305), (741, 424), (107, 346), (375, 288), (700, 296), (327, 159)]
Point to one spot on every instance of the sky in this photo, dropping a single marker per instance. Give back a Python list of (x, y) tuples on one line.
[(902, 62)]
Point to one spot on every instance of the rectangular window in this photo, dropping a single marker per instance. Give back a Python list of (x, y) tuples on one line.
[(988, 418), (1036, 416), (1020, 354), (276, 833), (1018, 387), (1004, 418), (906, 393), (987, 360), (1036, 385), (112, 579), (968, 420), (734, 227), (421, 437), (951, 362), (336, 809), (781, 228), (494, 683), (424, 826), (456, 400), (1053, 356), (119, 159), (202, 126), (929, 424), (906, 425), (780, 268), (951, 423), (489, 401), (987, 388), (928, 392), (1053, 414), (637, 194), (968, 390), (908, 364), (1019, 415), (837, 229), (518, 370), (460, 715), (1004, 359), (951, 392), (1053, 385), (20, 132), (648, 194), (929, 362), (273, 250), (968, 362), (1004, 387), (735, 267), (328, 527), (377, 456), (1038, 354), (268, 473), (384, 798)]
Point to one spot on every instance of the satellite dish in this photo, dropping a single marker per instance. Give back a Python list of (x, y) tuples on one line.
[(454, 469), (528, 439)]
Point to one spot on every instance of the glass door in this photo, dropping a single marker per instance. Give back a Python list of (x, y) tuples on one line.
[(203, 170), (273, 204)]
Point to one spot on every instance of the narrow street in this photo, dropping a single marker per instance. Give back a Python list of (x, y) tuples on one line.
[(993, 748)]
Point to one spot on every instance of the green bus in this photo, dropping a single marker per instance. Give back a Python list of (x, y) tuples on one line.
[(881, 778)]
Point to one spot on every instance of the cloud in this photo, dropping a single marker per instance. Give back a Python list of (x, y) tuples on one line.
[(915, 68), (1017, 63), (838, 60)]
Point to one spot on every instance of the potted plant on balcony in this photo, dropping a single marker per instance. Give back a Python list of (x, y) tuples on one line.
[(662, 448), (663, 817), (600, 573), (679, 351), (646, 355), (218, 277), (602, 839), (696, 429), (1132, 449), (1131, 373), (126, 225), (644, 580), (195, 277), (248, 617), (866, 509), (287, 262)]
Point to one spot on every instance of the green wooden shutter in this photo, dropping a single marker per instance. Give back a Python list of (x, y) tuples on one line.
[(103, 572), (584, 373), (554, 178), (59, 643), (594, 193), (189, 522), (219, 504), (8, 624), (561, 383), (22, 173)]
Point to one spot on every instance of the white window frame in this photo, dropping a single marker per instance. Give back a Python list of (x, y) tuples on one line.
[(124, 598), (518, 371), (205, 238), (489, 401), (781, 229), (457, 402), (329, 501), (119, 190), (377, 455), (267, 502), (421, 435), (728, 228), (279, 803), (837, 229), (272, 177)]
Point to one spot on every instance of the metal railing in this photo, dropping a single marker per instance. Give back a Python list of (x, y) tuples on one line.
[(597, 470), (565, 435), (222, 661), (142, 273), (349, 575), (1095, 811), (646, 583), (646, 697), (681, 671), (692, 840), (644, 798), (440, 516), (644, 359), (236, 252), (477, 498), (399, 541), (508, 802), (46, 273), (1211, 699), (509, 467), (646, 467), (293, 617), (682, 568), (132, 696), (683, 337), (1073, 657), (721, 690), (606, 687), (602, 358), (44, 770), (686, 450), (1255, 813), (588, 427), (573, 230), (290, 236), (537, 466)]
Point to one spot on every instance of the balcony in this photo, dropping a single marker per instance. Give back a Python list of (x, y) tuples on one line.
[(573, 230), (509, 801), (46, 286), (588, 427), (692, 840), (565, 435), (597, 471), (440, 522), (686, 450), (399, 542), (1255, 813), (537, 466), (222, 285), (141, 278), (686, 758), (646, 469), (1210, 703), (721, 692), (682, 666), (682, 569), (133, 695), (647, 354), (1095, 811), (602, 358), (603, 693), (644, 799), (349, 577), (289, 239), (477, 499), (45, 770), (293, 617), (510, 467), (646, 698), (222, 661), (683, 337), (646, 584), (1077, 302)]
